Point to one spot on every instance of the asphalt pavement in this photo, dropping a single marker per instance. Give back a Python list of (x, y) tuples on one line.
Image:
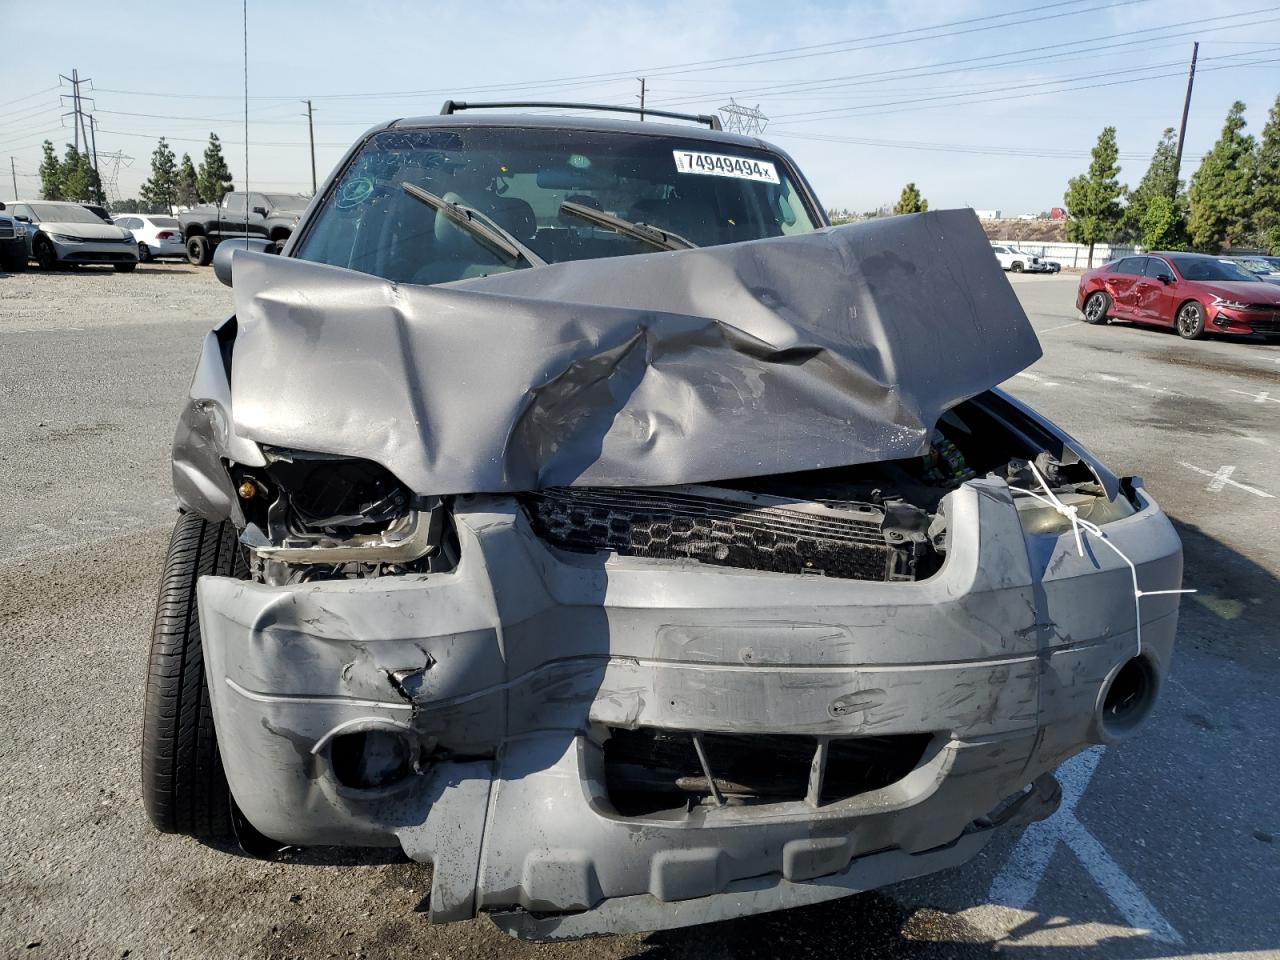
[(1167, 846)]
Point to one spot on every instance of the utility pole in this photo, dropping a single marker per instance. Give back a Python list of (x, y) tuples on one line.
[(93, 132), (311, 133), (14, 172), (642, 85), (1186, 109)]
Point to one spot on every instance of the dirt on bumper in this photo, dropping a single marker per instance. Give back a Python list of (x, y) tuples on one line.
[(499, 677)]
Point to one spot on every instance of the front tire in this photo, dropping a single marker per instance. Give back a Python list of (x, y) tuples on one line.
[(1016, 268), (1190, 321), (199, 253), (184, 789), (1096, 307), (43, 250), (144, 253)]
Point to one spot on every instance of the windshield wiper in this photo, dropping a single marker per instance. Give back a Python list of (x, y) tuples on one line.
[(664, 239), (483, 228)]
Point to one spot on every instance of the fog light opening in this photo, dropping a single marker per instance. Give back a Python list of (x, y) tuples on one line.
[(1129, 697), (370, 759)]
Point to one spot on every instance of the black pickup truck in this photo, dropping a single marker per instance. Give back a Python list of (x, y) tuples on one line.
[(269, 216)]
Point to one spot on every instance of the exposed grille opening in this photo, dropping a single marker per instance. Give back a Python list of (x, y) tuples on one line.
[(733, 528), (650, 770)]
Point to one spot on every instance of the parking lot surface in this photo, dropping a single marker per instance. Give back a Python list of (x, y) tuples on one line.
[(1167, 845)]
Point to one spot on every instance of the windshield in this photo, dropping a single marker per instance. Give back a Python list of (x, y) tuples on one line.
[(62, 213), (1257, 265), (287, 201), (709, 193), (1207, 268)]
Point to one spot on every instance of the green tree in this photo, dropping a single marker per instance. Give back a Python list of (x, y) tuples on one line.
[(911, 201), (79, 179), (1266, 191), (186, 186), (1164, 224), (158, 190), (214, 176), (1220, 190), (1160, 180), (1093, 198), (51, 174)]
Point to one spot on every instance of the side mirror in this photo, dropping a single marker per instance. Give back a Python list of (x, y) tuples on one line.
[(22, 216), (1165, 277), (226, 249), (260, 211)]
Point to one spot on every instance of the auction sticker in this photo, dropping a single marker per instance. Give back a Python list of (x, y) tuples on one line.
[(720, 165)]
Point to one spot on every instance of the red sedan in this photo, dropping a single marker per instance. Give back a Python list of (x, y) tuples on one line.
[(1191, 292)]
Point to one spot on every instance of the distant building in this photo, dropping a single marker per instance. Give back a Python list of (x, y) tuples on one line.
[(988, 214)]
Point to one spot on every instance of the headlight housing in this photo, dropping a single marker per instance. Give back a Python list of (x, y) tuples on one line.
[(1232, 304), (319, 509)]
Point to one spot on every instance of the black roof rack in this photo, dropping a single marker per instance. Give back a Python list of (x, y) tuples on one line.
[(453, 106)]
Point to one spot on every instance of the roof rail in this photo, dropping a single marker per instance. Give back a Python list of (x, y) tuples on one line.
[(453, 106)]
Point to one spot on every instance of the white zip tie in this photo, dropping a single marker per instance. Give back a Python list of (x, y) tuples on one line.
[(1078, 523)]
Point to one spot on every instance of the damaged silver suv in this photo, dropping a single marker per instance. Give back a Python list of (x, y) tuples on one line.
[(570, 507)]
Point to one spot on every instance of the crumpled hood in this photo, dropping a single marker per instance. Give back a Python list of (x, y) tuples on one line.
[(824, 349)]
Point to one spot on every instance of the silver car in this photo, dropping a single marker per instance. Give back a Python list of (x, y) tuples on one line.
[(66, 233)]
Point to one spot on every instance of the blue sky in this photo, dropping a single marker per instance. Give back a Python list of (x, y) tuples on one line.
[(992, 105)]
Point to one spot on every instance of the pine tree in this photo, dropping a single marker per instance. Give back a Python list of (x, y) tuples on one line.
[(186, 187), (1160, 180), (79, 179), (1266, 191), (1220, 190), (911, 201), (159, 190), (51, 174), (214, 176), (1093, 198), (1164, 224)]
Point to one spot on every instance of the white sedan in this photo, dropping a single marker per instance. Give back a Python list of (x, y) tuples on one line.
[(1011, 258), (157, 236)]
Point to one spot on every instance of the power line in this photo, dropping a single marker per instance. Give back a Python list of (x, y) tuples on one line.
[(891, 38), (913, 72), (31, 96), (916, 102)]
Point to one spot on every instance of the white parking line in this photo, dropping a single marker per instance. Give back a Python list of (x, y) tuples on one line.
[(1019, 879), (1221, 477), (1043, 381), (1261, 397), (1073, 323)]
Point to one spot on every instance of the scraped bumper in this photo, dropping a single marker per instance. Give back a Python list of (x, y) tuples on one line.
[(501, 676)]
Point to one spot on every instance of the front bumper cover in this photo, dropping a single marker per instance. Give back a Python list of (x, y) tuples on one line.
[(501, 669)]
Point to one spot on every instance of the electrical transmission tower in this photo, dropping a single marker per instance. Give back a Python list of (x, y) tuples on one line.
[(739, 119), (111, 163)]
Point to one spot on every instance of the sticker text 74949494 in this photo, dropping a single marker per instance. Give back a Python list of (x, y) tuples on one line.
[(721, 165)]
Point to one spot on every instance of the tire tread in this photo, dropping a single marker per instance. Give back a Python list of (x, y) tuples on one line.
[(184, 787)]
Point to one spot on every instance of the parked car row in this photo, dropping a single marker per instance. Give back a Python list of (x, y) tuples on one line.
[(57, 233)]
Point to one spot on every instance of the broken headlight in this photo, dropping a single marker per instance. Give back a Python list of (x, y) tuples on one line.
[(322, 509)]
